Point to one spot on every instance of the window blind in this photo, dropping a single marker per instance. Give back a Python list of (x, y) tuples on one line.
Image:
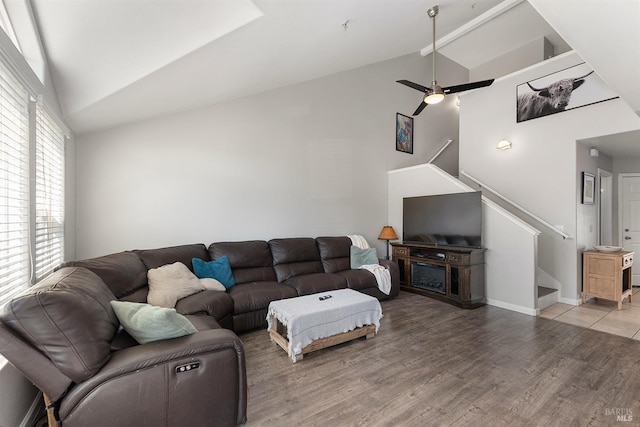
[(49, 194), (14, 186)]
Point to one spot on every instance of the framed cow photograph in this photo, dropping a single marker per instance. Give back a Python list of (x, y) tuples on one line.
[(564, 90)]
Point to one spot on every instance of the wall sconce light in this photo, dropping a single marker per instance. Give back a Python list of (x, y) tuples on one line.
[(388, 233), (593, 152), (503, 144)]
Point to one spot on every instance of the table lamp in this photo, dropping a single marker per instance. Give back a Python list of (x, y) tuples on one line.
[(387, 233)]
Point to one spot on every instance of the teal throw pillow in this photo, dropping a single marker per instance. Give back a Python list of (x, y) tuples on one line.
[(219, 269), (147, 323), (360, 257)]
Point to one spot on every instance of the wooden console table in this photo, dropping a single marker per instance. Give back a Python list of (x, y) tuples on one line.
[(451, 274), (607, 275)]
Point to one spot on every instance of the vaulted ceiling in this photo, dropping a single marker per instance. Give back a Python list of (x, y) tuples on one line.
[(114, 62)]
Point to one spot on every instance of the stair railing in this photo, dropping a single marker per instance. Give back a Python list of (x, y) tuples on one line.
[(444, 147)]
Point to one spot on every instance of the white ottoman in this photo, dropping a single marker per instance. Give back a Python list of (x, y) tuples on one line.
[(321, 320)]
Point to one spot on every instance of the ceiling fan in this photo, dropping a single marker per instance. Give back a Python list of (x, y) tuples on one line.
[(435, 93)]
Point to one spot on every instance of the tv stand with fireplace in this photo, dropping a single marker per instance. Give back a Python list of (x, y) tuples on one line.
[(452, 274)]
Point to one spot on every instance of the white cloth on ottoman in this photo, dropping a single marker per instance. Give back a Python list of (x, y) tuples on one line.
[(308, 318)]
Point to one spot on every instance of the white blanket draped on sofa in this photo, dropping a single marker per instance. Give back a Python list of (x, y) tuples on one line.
[(382, 275)]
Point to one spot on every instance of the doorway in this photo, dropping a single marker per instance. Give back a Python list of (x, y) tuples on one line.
[(605, 208), (629, 216)]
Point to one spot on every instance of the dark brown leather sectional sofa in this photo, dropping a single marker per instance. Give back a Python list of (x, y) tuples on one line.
[(63, 335)]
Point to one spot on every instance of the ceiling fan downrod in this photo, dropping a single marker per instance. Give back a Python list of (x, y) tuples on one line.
[(434, 93), (437, 93)]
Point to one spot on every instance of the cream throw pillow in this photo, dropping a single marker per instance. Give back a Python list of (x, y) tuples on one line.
[(212, 285), (169, 283)]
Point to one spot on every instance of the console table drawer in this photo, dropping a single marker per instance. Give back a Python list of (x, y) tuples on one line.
[(400, 251)]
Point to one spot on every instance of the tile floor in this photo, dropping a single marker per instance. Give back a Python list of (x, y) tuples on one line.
[(601, 315)]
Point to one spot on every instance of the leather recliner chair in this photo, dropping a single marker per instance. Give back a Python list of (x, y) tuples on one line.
[(60, 334)]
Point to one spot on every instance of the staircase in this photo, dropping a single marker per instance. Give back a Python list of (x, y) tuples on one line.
[(546, 297)]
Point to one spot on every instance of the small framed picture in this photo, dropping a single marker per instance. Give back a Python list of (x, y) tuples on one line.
[(588, 188), (404, 133)]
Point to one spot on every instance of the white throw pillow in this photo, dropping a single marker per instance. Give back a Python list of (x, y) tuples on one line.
[(169, 283), (146, 323), (212, 285)]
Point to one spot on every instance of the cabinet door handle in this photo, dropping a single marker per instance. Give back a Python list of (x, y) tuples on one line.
[(627, 238)]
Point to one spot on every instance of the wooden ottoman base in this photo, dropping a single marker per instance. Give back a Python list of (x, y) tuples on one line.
[(368, 331)]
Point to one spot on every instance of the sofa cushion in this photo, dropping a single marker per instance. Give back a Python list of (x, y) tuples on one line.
[(335, 253), (318, 282), (295, 256), (154, 258), (68, 318), (218, 269), (122, 272), (148, 323), (171, 282), (360, 257), (359, 279), (139, 295), (257, 295), (250, 261)]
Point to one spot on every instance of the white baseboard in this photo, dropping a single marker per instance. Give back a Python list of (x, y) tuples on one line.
[(34, 412), (513, 307), (570, 301)]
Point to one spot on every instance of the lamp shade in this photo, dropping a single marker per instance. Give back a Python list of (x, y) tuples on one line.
[(387, 233)]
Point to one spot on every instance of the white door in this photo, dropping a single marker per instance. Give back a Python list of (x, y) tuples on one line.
[(630, 215)]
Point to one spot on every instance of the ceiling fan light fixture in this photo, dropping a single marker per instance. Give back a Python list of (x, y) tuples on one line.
[(435, 95)]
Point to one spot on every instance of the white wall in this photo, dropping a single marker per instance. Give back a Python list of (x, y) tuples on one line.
[(586, 214), (306, 160), (540, 171), (519, 58)]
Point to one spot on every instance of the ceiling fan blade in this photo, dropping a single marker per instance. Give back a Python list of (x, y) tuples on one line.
[(467, 86), (420, 108), (413, 85)]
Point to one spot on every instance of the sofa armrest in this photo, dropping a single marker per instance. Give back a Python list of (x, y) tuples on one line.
[(394, 270), (213, 303), (145, 382)]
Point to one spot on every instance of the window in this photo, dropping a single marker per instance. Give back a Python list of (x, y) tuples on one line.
[(14, 186), (49, 194), (31, 189)]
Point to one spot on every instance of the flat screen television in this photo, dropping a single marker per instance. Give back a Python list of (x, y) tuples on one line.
[(443, 219)]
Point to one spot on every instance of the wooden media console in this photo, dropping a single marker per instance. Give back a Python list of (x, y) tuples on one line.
[(451, 274)]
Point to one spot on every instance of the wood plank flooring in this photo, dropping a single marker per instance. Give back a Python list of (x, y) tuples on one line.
[(433, 364)]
